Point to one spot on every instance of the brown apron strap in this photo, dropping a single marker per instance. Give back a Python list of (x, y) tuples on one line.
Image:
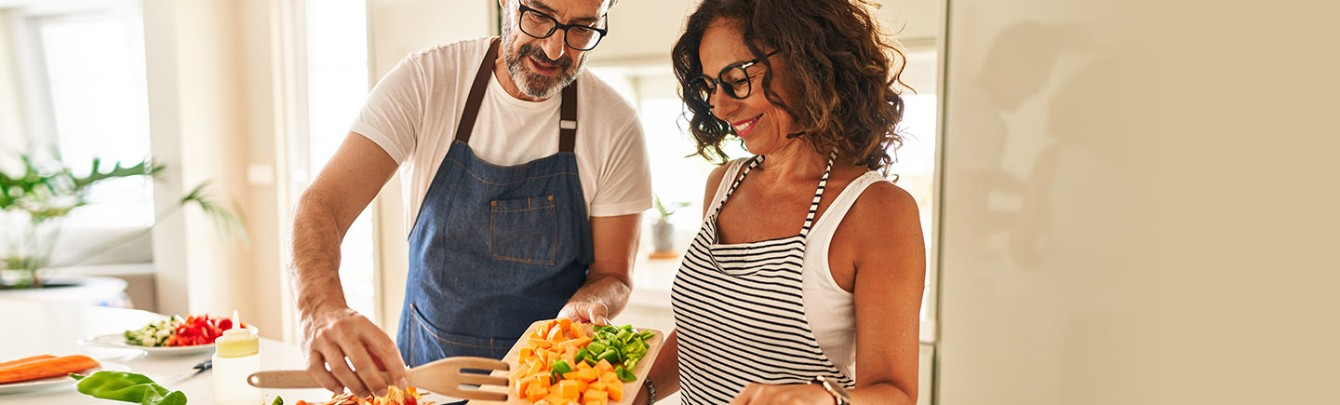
[(567, 116), (467, 124), (567, 125)]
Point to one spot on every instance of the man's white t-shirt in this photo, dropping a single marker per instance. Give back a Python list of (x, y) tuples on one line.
[(413, 112)]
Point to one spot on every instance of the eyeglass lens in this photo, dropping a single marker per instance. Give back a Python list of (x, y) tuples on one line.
[(539, 25), (735, 78)]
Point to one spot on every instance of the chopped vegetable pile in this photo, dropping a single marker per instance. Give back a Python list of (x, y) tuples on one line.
[(178, 331), (394, 396), (565, 363)]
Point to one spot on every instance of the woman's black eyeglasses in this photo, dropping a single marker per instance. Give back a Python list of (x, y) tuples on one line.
[(541, 25), (735, 76)]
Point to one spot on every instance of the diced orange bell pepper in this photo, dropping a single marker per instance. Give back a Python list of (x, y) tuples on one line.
[(587, 374), (600, 397), (616, 391), (568, 389), (604, 366), (536, 393)]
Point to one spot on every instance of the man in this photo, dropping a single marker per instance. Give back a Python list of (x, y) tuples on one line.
[(525, 178)]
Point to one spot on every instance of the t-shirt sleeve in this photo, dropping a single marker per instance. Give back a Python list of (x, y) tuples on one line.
[(392, 115), (625, 182)]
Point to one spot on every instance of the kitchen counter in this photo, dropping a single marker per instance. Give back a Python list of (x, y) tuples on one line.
[(32, 328)]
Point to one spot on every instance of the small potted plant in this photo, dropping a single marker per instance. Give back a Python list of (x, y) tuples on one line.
[(663, 231)]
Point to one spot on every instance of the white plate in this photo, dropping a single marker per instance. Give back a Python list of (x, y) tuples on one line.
[(118, 341), (63, 382)]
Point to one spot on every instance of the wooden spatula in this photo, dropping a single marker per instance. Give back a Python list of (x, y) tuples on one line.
[(442, 376)]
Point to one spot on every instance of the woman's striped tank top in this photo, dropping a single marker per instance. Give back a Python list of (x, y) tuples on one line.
[(740, 314)]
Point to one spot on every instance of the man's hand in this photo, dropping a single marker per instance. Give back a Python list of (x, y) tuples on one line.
[(586, 312), (609, 279), (337, 338)]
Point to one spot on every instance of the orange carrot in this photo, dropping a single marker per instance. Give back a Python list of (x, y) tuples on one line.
[(53, 367), (25, 360)]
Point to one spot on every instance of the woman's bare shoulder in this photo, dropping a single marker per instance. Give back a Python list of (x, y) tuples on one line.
[(884, 207)]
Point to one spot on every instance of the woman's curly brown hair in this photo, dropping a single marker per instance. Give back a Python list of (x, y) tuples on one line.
[(846, 74)]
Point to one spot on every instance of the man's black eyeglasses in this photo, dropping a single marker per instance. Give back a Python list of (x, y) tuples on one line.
[(541, 25), (735, 76)]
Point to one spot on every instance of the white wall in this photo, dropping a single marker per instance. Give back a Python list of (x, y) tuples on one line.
[(914, 22), (211, 104), (261, 160), (1137, 203), (642, 31), (187, 104)]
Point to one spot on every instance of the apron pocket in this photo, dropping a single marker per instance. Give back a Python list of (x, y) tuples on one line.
[(428, 343), (524, 230)]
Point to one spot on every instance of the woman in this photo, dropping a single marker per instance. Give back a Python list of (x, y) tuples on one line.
[(807, 259)]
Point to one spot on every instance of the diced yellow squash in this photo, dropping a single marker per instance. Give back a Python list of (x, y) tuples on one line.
[(616, 391), (596, 395), (536, 393), (553, 398), (604, 365), (568, 389), (554, 333), (587, 374)]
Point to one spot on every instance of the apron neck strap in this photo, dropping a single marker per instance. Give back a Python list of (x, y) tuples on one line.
[(467, 124), (567, 118), (567, 126)]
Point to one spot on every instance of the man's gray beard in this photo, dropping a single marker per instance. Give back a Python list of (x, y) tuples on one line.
[(531, 83)]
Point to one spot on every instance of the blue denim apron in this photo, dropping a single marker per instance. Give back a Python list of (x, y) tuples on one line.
[(494, 248)]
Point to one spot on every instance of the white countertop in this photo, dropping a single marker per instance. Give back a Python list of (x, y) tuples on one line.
[(32, 328)]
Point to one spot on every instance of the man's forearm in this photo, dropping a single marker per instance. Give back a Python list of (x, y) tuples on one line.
[(315, 268), (609, 280), (608, 289)]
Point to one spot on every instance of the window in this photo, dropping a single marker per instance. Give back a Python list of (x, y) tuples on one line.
[(95, 76), (79, 92)]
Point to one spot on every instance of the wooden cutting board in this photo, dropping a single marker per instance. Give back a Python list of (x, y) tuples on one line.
[(630, 389)]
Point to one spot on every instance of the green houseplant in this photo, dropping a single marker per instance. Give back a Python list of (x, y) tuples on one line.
[(34, 203), (662, 231)]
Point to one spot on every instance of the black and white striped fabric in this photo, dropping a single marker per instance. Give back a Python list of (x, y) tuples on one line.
[(740, 312)]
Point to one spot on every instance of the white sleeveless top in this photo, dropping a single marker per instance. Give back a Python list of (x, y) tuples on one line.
[(766, 311)]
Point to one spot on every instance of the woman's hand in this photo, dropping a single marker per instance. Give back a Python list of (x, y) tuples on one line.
[(807, 394)]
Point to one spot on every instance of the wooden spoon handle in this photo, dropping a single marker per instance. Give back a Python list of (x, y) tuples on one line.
[(282, 379)]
